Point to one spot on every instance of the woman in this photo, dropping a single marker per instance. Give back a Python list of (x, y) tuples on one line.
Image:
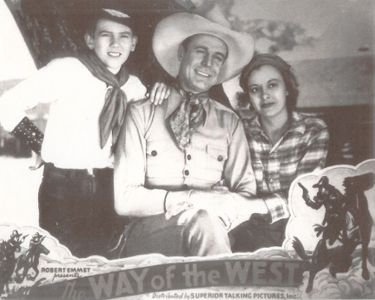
[(283, 144)]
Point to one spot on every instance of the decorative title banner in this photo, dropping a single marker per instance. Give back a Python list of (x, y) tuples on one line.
[(176, 276)]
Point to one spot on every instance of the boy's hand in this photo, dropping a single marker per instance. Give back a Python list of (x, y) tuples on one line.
[(159, 92), (38, 161)]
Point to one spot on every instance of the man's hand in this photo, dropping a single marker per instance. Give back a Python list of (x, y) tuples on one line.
[(217, 202), (232, 208), (159, 92), (176, 202)]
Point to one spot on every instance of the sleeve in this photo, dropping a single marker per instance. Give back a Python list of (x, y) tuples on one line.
[(313, 159), (277, 206), (132, 198), (39, 88), (316, 153), (134, 89), (238, 173)]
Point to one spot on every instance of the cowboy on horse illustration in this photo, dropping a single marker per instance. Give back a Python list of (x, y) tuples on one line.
[(30, 259), (336, 214), (348, 221), (8, 251)]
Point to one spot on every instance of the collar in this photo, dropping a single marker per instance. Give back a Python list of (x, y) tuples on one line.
[(297, 125), (176, 97)]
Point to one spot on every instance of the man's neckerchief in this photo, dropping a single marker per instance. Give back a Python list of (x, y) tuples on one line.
[(113, 113), (187, 117)]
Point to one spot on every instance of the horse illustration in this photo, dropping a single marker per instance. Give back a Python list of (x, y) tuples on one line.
[(357, 205), (8, 251), (30, 259), (338, 259), (348, 224)]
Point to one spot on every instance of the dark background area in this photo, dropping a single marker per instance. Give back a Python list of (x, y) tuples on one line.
[(56, 28)]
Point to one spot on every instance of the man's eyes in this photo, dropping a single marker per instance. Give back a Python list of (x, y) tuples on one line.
[(219, 59)]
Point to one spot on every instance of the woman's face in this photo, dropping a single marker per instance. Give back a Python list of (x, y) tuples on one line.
[(267, 91)]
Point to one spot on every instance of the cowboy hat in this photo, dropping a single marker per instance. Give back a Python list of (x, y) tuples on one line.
[(174, 29)]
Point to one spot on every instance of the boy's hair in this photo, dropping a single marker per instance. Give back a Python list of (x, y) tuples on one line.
[(110, 14), (285, 70)]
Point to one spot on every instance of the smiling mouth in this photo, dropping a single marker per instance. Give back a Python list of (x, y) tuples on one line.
[(114, 54), (204, 74), (267, 105)]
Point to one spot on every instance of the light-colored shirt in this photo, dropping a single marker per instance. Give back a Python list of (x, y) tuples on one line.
[(149, 164), (71, 137), (301, 149)]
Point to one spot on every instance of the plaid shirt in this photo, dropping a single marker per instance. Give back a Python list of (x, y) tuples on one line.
[(302, 149)]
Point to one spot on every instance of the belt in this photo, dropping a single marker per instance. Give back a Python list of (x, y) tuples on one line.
[(51, 171)]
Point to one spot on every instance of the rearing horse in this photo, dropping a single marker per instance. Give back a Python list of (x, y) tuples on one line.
[(356, 200), (8, 251), (348, 221), (30, 259)]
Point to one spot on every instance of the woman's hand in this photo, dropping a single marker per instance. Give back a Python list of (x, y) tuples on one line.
[(159, 92)]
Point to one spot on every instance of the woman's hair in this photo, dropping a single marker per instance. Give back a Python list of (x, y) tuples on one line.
[(282, 66)]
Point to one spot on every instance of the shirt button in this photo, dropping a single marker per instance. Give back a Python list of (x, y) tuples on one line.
[(186, 172), (220, 158), (188, 157), (154, 152)]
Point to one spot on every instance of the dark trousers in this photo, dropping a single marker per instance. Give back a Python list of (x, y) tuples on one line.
[(258, 233), (77, 208)]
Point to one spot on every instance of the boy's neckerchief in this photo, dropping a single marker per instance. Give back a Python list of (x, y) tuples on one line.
[(113, 113), (187, 117)]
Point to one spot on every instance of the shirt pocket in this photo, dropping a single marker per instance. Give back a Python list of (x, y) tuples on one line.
[(211, 165), (218, 153), (163, 159)]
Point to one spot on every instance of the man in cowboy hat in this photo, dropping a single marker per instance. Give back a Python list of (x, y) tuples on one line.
[(183, 168)]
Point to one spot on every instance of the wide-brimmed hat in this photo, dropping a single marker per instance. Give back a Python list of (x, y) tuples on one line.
[(171, 31)]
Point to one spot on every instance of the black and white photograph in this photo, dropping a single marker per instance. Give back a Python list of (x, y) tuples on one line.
[(187, 149)]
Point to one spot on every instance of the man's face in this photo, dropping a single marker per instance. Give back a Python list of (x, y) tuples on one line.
[(112, 42), (201, 62)]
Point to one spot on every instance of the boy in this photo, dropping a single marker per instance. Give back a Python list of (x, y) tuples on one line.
[(88, 96)]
